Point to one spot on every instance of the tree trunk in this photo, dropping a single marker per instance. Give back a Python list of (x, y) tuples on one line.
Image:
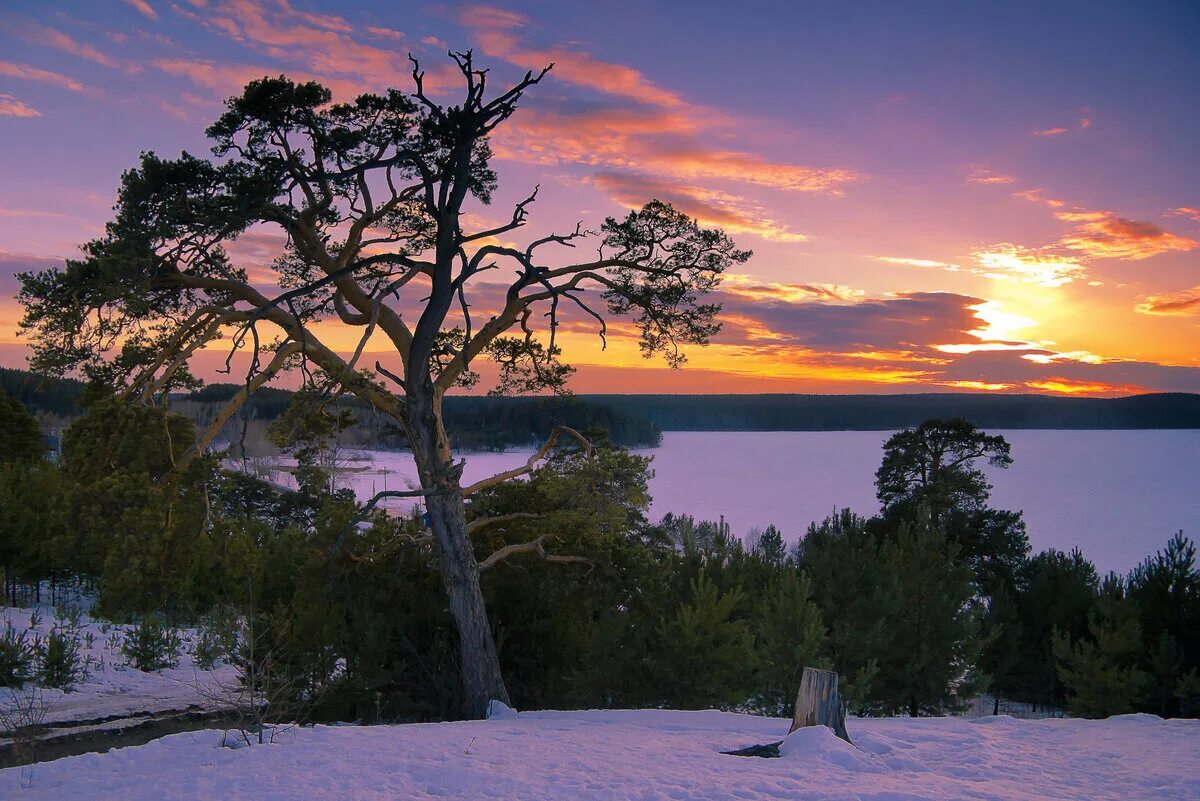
[(819, 703), (479, 668)]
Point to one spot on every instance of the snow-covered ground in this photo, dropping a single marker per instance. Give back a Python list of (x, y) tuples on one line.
[(648, 755), (111, 687)]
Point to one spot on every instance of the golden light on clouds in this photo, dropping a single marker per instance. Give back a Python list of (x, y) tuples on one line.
[(1010, 262), (1069, 356), (1065, 386), (1104, 235), (1171, 303)]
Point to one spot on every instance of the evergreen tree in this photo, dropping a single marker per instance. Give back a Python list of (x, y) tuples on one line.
[(1004, 635), (932, 468), (790, 635), (137, 525), (854, 587), (1166, 589), (770, 546), (1059, 595), (20, 436), (1101, 671), (929, 665), (703, 656)]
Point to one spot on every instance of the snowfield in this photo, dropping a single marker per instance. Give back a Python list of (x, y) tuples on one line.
[(649, 754)]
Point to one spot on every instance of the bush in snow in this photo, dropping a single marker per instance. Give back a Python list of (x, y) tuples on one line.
[(215, 641), (152, 645), (16, 657), (62, 666)]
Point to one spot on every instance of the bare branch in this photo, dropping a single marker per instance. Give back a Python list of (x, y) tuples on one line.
[(531, 464), (484, 522), (240, 397), (520, 215), (534, 547), (365, 512)]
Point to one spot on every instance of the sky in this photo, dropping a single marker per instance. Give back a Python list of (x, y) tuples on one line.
[(993, 197)]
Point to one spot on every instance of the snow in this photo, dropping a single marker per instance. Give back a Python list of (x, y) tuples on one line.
[(648, 754), (112, 688)]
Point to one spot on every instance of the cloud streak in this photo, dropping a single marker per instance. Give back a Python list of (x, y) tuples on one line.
[(28, 73), (12, 107), (143, 8), (733, 213), (52, 37)]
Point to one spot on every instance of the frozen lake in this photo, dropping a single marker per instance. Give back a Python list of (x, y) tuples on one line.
[(1117, 495)]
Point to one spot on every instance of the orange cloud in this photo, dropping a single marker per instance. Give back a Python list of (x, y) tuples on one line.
[(11, 107), (1104, 235), (1186, 211), (1082, 356), (1050, 132), (979, 385), (1171, 303), (28, 73), (143, 8), (1065, 386)]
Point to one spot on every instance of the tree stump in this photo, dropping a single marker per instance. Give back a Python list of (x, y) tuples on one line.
[(819, 703)]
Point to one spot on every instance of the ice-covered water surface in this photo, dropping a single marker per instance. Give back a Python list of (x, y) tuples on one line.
[(1117, 495)]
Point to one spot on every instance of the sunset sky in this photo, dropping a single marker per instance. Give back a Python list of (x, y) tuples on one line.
[(994, 197)]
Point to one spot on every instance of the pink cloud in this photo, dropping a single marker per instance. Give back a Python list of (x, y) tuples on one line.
[(321, 44), (51, 37), (578, 68), (25, 72), (711, 207), (11, 107), (229, 79), (982, 175), (654, 141), (143, 8), (31, 213), (1050, 132), (384, 33), (1035, 196)]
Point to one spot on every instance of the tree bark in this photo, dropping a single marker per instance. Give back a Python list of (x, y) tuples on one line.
[(819, 703), (479, 667)]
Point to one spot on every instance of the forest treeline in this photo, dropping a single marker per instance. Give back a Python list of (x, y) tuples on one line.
[(492, 423), (920, 608), (893, 412), (474, 422)]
